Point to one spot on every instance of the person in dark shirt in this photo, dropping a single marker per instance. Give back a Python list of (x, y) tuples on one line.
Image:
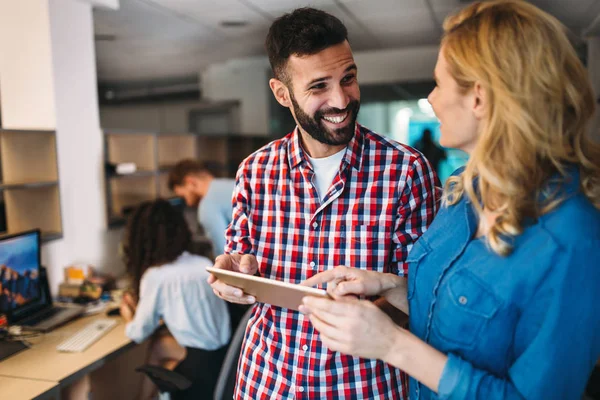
[(430, 149)]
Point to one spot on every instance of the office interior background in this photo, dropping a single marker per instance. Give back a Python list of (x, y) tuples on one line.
[(86, 82)]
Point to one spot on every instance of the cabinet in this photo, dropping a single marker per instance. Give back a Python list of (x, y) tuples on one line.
[(29, 185)]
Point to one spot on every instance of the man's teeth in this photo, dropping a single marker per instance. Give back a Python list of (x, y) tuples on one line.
[(336, 119)]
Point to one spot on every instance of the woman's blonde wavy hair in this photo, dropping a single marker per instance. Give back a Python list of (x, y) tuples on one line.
[(539, 103)]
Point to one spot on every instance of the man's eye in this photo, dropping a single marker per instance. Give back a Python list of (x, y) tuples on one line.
[(318, 86), (348, 79)]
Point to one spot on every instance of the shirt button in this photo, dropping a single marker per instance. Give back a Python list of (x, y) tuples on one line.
[(305, 347), (312, 264), (315, 224), (301, 389), (462, 300)]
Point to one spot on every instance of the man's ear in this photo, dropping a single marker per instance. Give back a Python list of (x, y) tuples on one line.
[(280, 91), (479, 100)]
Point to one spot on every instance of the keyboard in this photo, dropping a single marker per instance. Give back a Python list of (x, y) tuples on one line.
[(87, 336)]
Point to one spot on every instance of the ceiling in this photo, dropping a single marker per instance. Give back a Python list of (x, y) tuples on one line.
[(162, 40)]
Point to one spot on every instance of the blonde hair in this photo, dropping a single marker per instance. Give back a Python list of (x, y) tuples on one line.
[(539, 102)]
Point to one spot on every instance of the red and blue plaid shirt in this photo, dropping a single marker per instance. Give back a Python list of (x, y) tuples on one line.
[(380, 202)]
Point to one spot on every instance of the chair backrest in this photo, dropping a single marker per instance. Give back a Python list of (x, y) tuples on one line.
[(226, 381)]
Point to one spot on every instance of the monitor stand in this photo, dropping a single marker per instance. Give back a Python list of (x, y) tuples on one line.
[(10, 347)]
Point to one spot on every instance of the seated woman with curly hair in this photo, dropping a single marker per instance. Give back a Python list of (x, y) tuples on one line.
[(169, 284)]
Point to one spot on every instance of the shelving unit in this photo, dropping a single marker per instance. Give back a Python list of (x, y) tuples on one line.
[(155, 153), (29, 188)]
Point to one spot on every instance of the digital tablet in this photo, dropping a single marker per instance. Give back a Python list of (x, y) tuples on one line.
[(270, 291)]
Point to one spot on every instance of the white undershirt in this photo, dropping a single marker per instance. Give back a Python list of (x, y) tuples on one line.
[(325, 171)]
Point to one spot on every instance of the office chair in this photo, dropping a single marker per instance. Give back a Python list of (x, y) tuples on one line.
[(227, 376), (196, 377)]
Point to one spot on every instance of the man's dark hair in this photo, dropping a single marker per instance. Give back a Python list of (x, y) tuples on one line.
[(305, 31), (183, 169), (156, 234)]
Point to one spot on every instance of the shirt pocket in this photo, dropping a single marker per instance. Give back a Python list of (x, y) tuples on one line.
[(366, 234), (465, 307), (419, 250)]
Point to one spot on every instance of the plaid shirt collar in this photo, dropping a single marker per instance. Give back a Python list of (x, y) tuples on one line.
[(352, 157)]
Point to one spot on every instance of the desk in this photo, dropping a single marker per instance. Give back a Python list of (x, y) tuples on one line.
[(42, 362), (18, 388)]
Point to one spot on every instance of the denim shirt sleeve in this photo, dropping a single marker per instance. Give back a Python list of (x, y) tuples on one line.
[(563, 323)]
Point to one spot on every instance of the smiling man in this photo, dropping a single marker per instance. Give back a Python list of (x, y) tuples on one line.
[(329, 193)]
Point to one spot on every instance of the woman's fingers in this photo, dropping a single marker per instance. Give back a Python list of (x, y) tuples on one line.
[(330, 277)]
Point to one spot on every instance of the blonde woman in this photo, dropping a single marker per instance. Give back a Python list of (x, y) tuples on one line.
[(503, 286)]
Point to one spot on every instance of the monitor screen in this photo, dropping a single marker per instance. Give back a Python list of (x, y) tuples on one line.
[(19, 271)]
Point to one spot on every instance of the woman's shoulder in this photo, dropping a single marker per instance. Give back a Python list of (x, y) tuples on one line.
[(574, 221), (185, 262)]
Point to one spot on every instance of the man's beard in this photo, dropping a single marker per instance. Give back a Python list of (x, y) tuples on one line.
[(316, 128)]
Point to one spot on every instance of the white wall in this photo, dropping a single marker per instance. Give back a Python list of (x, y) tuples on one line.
[(27, 57), (69, 94), (393, 66), (80, 144), (161, 117), (245, 80)]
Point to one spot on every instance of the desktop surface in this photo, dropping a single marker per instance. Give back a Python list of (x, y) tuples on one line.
[(21, 389), (42, 361), (10, 347)]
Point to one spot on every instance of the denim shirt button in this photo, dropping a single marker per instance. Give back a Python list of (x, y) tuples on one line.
[(462, 300)]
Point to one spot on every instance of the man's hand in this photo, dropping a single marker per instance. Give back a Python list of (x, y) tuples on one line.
[(244, 263)]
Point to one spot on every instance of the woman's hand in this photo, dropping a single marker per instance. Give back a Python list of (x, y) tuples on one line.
[(127, 307), (342, 281), (351, 326)]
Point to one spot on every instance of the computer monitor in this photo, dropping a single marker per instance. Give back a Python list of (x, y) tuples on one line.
[(19, 272)]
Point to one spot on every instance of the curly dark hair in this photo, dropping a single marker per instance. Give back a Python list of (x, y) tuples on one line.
[(156, 234), (305, 31)]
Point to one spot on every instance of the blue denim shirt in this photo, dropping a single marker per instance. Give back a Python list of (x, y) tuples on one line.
[(525, 326)]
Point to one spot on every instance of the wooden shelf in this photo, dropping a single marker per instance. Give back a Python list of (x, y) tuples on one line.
[(163, 187), (32, 208), (130, 192), (50, 236), (156, 153), (174, 148), (29, 185), (138, 149), (135, 174), (29, 157)]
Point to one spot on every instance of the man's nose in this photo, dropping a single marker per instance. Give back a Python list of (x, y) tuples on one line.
[(339, 98)]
